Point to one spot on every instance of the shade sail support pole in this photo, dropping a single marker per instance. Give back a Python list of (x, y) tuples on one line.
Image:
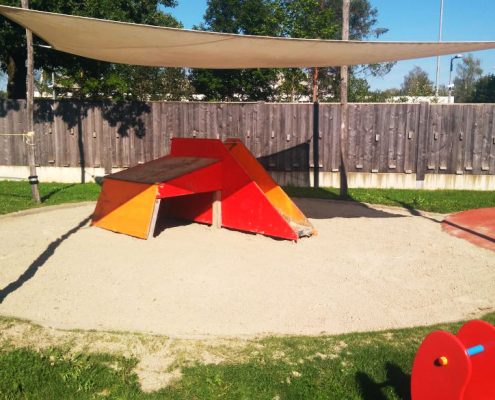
[(30, 140), (344, 75)]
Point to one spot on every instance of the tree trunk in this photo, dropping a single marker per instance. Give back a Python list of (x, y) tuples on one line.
[(343, 105), (17, 72)]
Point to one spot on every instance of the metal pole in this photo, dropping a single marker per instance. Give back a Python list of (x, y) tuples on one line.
[(450, 73), (439, 39), (343, 104), (30, 140), (450, 78)]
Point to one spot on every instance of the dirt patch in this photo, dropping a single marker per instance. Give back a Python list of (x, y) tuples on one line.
[(159, 359)]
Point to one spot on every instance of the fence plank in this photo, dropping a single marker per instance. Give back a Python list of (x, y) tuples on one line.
[(492, 144), (477, 138), (486, 138), (403, 138), (468, 141), (423, 133)]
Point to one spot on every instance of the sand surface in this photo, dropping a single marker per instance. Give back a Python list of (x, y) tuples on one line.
[(369, 268)]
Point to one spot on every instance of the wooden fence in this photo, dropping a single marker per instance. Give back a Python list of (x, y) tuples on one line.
[(392, 138)]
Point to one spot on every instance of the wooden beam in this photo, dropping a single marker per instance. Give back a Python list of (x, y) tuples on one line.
[(154, 217), (30, 139), (216, 220)]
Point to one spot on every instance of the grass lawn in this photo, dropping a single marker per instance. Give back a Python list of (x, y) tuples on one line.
[(440, 201), (16, 196), (366, 366)]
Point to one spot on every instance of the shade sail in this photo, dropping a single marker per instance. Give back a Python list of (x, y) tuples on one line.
[(168, 47)]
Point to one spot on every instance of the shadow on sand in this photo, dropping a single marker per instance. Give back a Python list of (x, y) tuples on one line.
[(323, 209), (39, 262)]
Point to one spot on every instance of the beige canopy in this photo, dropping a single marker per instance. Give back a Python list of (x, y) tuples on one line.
[(168, 47)]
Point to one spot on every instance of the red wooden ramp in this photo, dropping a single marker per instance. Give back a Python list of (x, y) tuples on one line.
[(476, 226), (201, 180)]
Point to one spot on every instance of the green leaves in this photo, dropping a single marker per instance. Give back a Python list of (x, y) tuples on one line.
[(310, 19), (82, 78), (417, 83), (468, 73), (287, 18), (484, 90)]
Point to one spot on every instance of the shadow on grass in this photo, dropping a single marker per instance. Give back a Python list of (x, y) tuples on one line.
[(18, 196), (413, 211), (416, 213), (397, 380), (313, 204), (55, 191), (39, 262)]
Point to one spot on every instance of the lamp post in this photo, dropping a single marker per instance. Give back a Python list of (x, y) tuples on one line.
[(439, 40), (450, 74)]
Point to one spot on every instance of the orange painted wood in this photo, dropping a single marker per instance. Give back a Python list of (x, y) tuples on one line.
[(125, 207)]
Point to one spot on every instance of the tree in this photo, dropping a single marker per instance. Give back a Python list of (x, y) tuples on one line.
[(443, 90), (323, 19), (484, 90), (417, 83), (293, 85), (288, 18), (250, 17), (82, 77), (467, 73)]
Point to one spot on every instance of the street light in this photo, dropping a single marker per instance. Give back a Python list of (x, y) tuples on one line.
[(451, 86)]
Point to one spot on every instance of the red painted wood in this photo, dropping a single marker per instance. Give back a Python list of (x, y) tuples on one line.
[(482, 383), (464, 377), (196, 168), (244, 205), (429, 381), (206, 179), (196, 207)]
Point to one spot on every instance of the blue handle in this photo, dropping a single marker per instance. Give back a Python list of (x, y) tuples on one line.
[(472, 351)]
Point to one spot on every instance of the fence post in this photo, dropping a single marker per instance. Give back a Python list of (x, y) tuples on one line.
[(422, 143)]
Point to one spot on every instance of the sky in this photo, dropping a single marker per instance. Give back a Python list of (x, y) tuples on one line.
[(407, 20)]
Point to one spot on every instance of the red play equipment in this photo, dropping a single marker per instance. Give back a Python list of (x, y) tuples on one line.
[(201, 180), (456, 367)]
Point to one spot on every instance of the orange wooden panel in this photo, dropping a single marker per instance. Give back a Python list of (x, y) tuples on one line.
[(125, 207)]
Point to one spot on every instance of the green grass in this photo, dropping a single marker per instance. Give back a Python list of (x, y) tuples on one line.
[(361, 366), (26, 374), (440, 201), (16, 196)]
